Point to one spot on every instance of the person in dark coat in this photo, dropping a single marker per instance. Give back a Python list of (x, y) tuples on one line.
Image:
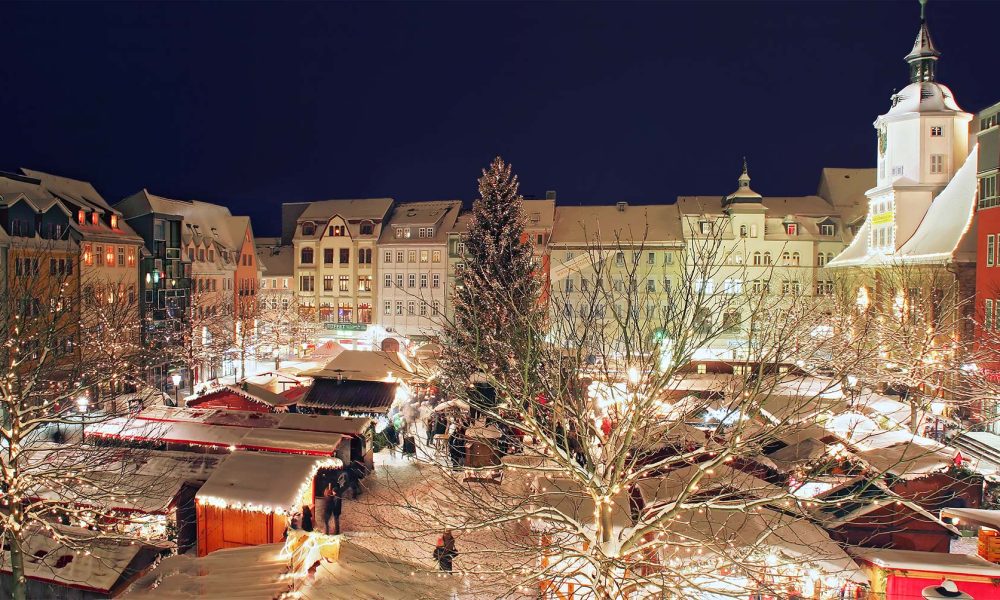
[(445, 552), (333, 506), (456, 448), (307, 518), (391, 437), (431, 428), (355, 473)]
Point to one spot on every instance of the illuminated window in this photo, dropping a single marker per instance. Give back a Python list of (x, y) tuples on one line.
[(93, 218), (411, 256), (121, 256), (387, 308), (424, 256), (436, 256), (114, 221), (81, 217), (344, 283), (792, 228), (88, 255)]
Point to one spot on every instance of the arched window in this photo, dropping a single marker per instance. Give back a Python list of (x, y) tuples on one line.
[(308, 229), (796, 258), (743, 230), (767, 258), (786, 258), (307, 255), (829, 257), (756, 258)]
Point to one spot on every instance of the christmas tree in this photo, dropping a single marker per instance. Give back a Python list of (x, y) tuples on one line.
[(496, 301)]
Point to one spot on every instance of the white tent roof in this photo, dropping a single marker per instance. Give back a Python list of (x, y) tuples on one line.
[(258, 480), (668, 488), (937, 562)]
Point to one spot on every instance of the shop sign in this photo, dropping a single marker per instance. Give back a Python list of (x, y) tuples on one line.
[(345, 326)]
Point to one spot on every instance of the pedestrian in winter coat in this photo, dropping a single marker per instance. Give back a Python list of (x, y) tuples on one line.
[(333, 505), (307, 518), (391, 438), (355, 473), (445, 552), (431, 427), (456, 448)]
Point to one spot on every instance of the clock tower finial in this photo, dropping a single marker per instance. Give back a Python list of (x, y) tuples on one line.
[(924, 56)]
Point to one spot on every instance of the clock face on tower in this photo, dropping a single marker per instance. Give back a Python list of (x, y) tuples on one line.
[(883, 140)]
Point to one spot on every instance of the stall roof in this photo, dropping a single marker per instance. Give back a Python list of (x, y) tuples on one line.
[(366, 365), (669, 487), (356, 396), (244, 418), (860, 496), (979, 517), (202, 434), (933, 562), (108, 566), (258, 480), (568, 497)]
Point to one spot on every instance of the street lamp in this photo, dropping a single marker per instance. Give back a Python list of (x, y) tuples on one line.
[(176, 378), (82, 403)]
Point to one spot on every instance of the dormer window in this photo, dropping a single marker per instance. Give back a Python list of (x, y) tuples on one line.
[(367, 228), (114, 221), (406, 232), (792, 228), (399, 232), (744, 231), (308, 229), (93, 218), (705, 227), (338, 230), (81, 217), (827, 229)]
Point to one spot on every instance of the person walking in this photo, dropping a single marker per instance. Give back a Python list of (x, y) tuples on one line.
[(391, 438), (355, 472), (332, 508), (456, 448), (447, 552), (307, 518)]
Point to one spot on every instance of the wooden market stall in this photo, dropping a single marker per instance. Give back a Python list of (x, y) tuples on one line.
[(245, 396), (906, 574), (987, 524), (250, 498)]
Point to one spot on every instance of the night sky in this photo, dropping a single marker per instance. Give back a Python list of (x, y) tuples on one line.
[(253, 104)]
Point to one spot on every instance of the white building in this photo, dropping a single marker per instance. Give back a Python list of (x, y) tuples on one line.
[(412, 272)]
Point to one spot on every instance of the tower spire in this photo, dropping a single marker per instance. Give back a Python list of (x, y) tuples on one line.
[(923, 57)]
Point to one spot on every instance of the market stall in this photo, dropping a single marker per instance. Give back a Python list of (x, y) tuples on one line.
[(906, 574), (249, 499), (985, 522)]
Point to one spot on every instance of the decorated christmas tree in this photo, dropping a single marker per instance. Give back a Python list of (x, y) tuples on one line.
[(496, 300)]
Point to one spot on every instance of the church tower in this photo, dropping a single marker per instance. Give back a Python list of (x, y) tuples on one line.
[(922, 141)]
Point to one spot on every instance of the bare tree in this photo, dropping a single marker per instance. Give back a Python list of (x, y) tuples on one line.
[(71, 358)]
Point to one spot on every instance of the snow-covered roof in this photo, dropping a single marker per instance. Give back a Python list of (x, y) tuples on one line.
[(101, 570), (248, 573), (261, 481), (980, 517), (936, 562), (923, 96), (669, 488), (440, 215), (365, 365), (946, 232), (568, 498), (611, 225), (219, 436)]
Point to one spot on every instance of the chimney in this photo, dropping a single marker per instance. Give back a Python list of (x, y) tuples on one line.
[(622, 206), (550, 195)]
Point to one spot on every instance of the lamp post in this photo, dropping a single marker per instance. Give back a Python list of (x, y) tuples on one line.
[(176, 378), (277, 358), (82, 403)]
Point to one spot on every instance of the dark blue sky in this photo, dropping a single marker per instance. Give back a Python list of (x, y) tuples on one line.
[(254, 104)]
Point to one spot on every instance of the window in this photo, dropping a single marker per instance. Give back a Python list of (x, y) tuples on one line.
[(757, 259), (345, 283), (284, 283), (411, 280), (52, 266), (211, 255), (399, 232), (897, 170), (424, 256), (81, 218), (100, 255), (792, 228), (306, 257), (569, 285), (702, 369), (421, 232), (732, 286), (388, 280), (328, 283), (387, 308), (988, 191), (338, 230), (584, 284), (387, 256), (436, 307), (411, 256), (937, 163), (936, 131), (365, 283), (651, 258), (786, 258), (406, 232), (399, 256), (650, 285), (540, 239), (345, 313), (744, 231), (991, 243), (705, 227), (827, 229), (364, 256), (423, 280), (308, 229), (327, 256), (988, 317), (306, 283), (796, 259), (411, 306), (668, 259), (121, 256), (345, 256), (436, 280), (620, 258), (436, 256), (460, 248), (367, 228), (399, 280), (767, 258), (423, 308)]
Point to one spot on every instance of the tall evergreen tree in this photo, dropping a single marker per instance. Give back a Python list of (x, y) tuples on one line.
[(496, 303)]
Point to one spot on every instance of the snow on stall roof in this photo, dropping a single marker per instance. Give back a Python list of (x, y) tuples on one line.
[(329, 423), (937, 562), (246, 418), (360, 574), (252, 572), (260, 479), (569, 498), (98, 571), (668, 488), (203, 434)]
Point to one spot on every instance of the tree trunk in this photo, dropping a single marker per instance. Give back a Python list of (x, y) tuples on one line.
[(19, 585), (914, 412)]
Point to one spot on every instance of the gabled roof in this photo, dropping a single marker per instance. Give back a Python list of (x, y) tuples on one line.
[(203, 223), (363, 208), (278, 260), (80, 192), (539, 214), (652, 224), (440, 215)]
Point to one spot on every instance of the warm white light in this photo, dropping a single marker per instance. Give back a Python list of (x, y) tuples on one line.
[(937, 408), (176, 378), (82, 403)]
